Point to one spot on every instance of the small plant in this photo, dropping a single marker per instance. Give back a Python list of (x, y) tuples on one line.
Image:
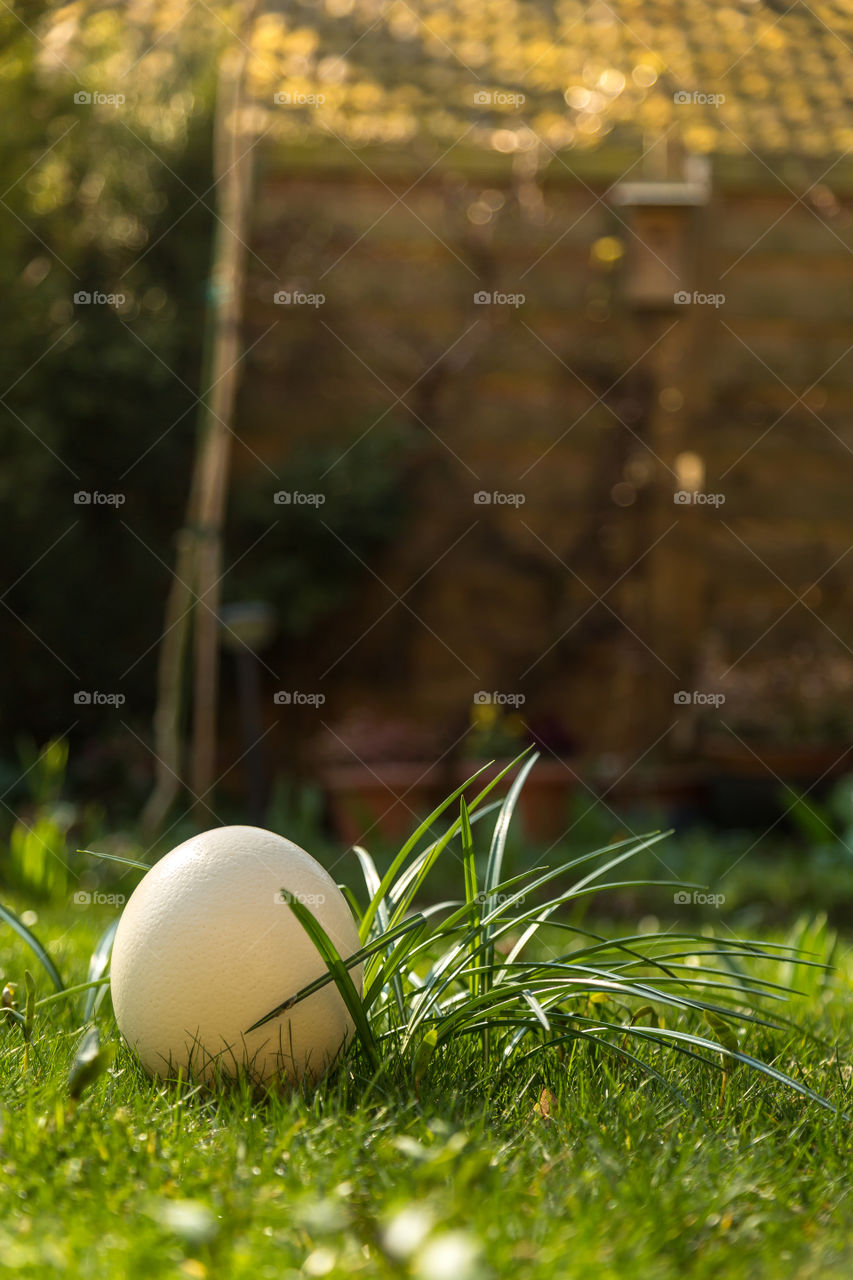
[(471, 969), (827, 826), (494, 732), (38, 863)]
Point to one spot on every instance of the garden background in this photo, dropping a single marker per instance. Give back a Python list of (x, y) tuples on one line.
[(386, 387)]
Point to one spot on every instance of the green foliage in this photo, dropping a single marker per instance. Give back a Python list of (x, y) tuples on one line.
[(827, 826), (94, 397), (38, 844), (7, 916), (315, 556), (439, 973), (816, 946)]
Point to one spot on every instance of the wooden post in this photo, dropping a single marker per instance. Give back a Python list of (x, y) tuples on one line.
[(233, 172), (199, 544)]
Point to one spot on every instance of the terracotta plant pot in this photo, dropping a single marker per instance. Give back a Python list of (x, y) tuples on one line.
[(383, 801), (790, 763), (544, 804)]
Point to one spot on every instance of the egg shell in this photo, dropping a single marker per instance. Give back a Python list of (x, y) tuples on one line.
[(206, 946)]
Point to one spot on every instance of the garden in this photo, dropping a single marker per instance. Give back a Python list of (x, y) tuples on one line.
[(426, 791)]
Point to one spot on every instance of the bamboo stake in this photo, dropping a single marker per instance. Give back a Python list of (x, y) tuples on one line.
[(199, 550)]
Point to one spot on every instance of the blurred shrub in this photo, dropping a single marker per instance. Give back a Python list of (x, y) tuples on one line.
[(314, 556), (98, 199), (827, 825), (38, 849)]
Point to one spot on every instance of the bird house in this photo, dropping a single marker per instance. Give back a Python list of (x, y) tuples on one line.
[(660, 218)]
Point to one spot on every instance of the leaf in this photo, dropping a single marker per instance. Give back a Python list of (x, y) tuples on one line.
[(357, 957), (90, 1062), (30, 1015), (469, 867), (545, 1105), (399, 860), (498, 845), (339, 972), (33, 943), (723, 1031), (424, 1054), (98, 962), (372, 881), (116, 857)]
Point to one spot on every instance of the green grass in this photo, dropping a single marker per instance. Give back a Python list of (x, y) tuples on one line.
[(140, 1179), (582, 1104)]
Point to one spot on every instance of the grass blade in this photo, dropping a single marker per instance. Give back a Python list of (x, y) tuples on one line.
[(373, 882), (470, 873), (97, 968), (340, 974), (116, 857), (399, 860), (33, 943), (378, 944)]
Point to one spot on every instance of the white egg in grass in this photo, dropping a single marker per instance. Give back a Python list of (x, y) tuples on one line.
[(207, 945)]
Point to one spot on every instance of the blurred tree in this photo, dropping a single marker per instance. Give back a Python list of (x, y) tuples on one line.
[(95, 199)]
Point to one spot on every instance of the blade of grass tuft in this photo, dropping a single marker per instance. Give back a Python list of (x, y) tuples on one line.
[(98, 962), (400, 859), (116, 857), (501, 829), (373, 882), (71, 991), (493, 873), (414, 869), (378, 944), (33, 943), (687, 1038), (470, 872), (431, 855), (339, 972)]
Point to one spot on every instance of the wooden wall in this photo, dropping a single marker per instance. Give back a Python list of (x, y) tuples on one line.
[(600, 597)]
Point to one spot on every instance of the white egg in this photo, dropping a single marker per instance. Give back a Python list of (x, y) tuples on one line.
[(207, 945)]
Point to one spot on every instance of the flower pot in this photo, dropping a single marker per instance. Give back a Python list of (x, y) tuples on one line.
[(544, 803), (383, 801)]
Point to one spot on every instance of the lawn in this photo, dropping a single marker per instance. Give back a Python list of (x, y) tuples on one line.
[(572, 1160)]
